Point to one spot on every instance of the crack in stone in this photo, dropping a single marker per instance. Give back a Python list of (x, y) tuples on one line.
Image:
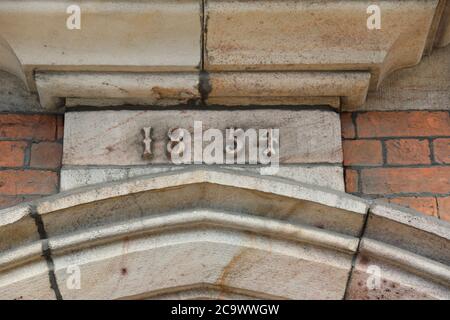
[(355, 255), (46, 252)]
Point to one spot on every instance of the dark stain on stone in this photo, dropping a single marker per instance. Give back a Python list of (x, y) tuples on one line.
[(204, 87), (364, 260)]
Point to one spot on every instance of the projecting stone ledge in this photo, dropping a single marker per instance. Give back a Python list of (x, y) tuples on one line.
[(229, 235), (262, 52), (336, 89)]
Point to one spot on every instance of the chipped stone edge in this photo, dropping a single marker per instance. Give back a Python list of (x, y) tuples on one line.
[(412, 218)]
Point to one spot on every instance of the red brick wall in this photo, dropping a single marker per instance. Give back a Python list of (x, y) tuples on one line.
[(403, 157), (30, 156)]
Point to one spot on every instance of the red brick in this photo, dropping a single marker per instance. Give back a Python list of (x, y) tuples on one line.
[(9, 201), (38, 127), (59, 127), (348, 129), (351, 181), (46, 155), (408, 151), (403, 124), (406, 180), (362, 152), (22, 182), (444, 208), (442, 150), (12, 153), (426, 205)]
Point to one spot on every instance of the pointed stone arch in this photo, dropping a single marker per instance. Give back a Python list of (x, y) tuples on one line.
[(221, 234)]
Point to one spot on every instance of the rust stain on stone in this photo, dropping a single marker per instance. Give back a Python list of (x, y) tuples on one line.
[(172, 93), (230, 267)]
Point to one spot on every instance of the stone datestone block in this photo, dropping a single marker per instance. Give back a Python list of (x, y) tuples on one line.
[(116, 137)]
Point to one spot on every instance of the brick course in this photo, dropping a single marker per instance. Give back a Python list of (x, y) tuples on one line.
[(427, 205), (46, 155), (408, 151), (28, 127), (414, 170), (403, 124), (12, 153), (30, 156), (441, 149), (362, 152), (444, 208)]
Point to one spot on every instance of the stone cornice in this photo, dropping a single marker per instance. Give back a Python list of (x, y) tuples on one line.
[(301, 52)]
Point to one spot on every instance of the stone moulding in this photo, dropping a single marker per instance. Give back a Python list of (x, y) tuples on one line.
[(229, 234), (57, 89), (346, 89), (337, 89), (227, 45)]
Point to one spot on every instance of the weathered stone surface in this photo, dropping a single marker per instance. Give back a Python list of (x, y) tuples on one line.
[(402, 275), (410, 231), (402, 255), (324, 176), (209, 256), (268, 35), (123, 88), (423, 87), (27, 282), (443, 31), (121, 36), (336, 89), (238, 251), (115, 137), (227, 220), (17, 228), (14, 97), (23, 270)]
